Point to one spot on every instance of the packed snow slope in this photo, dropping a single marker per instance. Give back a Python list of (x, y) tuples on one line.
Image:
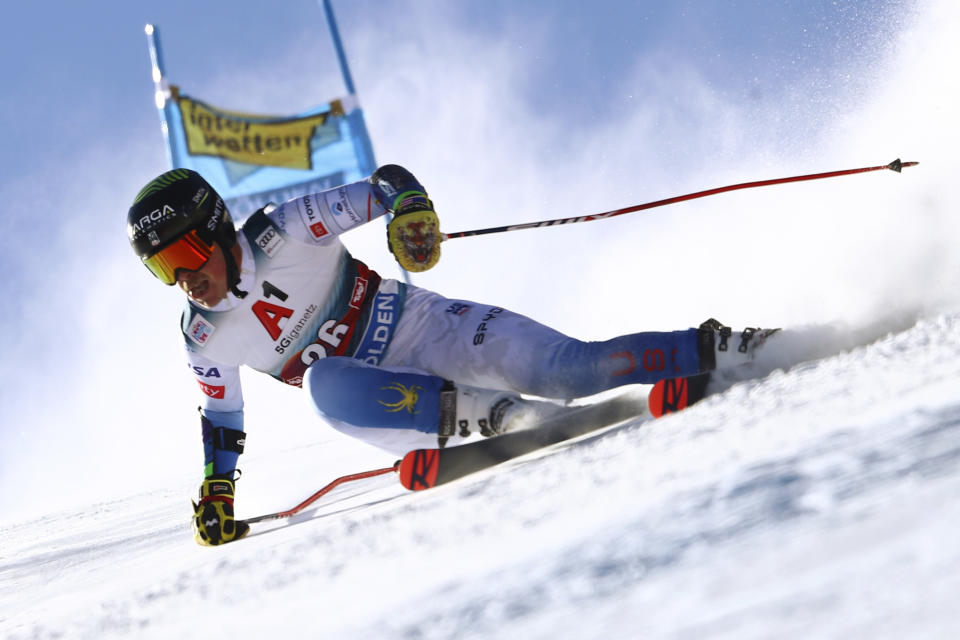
[(818, 501)]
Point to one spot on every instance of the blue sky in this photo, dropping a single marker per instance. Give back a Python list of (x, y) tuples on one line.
[(76, 71), (508, 111)]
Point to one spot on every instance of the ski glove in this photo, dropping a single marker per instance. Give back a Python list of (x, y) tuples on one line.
[(213, 522), (414, 233)]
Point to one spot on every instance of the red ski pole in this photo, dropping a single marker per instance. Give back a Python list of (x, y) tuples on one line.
[(896, 165), (322, 492)]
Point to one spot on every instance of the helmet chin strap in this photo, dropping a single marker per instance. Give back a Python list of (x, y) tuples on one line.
[(233, 272)]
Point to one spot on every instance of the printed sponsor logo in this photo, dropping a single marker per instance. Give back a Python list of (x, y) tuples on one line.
[(458, 308), (152, 219), (307, 208), (204, 372), (200, 330), (270, 315), (380, 329), (409, 397), (216, 392), (481, 333), (388, 189), (297, 330), (318, 230), (270, 241), (214, 220), (274, 142), (359, 292), (339, 204), (676, 392), (421, 471)]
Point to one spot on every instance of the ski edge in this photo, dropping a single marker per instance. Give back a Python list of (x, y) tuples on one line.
[(427, 468)]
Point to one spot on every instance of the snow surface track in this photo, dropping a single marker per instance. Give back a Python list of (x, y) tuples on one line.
[(817, 502)]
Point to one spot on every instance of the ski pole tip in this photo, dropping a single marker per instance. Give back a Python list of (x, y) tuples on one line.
[(897, 165)]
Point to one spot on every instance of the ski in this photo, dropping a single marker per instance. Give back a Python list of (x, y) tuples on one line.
[(426, 468), (673, 394)]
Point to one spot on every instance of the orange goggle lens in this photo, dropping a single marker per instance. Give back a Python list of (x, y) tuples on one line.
[(189, 252)]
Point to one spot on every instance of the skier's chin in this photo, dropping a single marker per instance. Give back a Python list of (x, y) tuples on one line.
[(204, 295), (203, 303)]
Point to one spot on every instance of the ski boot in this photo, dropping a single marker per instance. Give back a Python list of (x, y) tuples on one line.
[(465, 410), (725, 359), (720, 350)]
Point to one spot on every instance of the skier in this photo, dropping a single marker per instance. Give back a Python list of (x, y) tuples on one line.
[(395, 365)]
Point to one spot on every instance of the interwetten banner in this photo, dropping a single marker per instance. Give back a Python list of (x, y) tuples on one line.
[(253, 159)]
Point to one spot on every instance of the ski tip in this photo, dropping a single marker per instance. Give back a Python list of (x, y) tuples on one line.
[(418, 469), (668, 396), (655, 399)]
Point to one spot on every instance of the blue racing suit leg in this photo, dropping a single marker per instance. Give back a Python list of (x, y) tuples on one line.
[(351, 391)]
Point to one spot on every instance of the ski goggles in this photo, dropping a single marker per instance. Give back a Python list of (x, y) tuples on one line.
[(188, 252)]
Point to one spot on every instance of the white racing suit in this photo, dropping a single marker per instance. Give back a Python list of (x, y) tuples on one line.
[(378, 352)]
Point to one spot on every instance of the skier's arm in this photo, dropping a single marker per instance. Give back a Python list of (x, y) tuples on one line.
[(221, 412), (221, 422), (413, 235)]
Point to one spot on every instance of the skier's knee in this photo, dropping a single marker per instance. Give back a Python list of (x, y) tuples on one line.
[(333, 387), (348, 390)]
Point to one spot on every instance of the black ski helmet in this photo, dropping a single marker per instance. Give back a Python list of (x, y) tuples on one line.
[(172, 206)]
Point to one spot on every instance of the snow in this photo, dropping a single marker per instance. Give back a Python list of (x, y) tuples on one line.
[(817, 501)]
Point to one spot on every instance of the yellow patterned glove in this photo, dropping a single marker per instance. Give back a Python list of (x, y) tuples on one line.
[(213, 522), (414, 233)]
